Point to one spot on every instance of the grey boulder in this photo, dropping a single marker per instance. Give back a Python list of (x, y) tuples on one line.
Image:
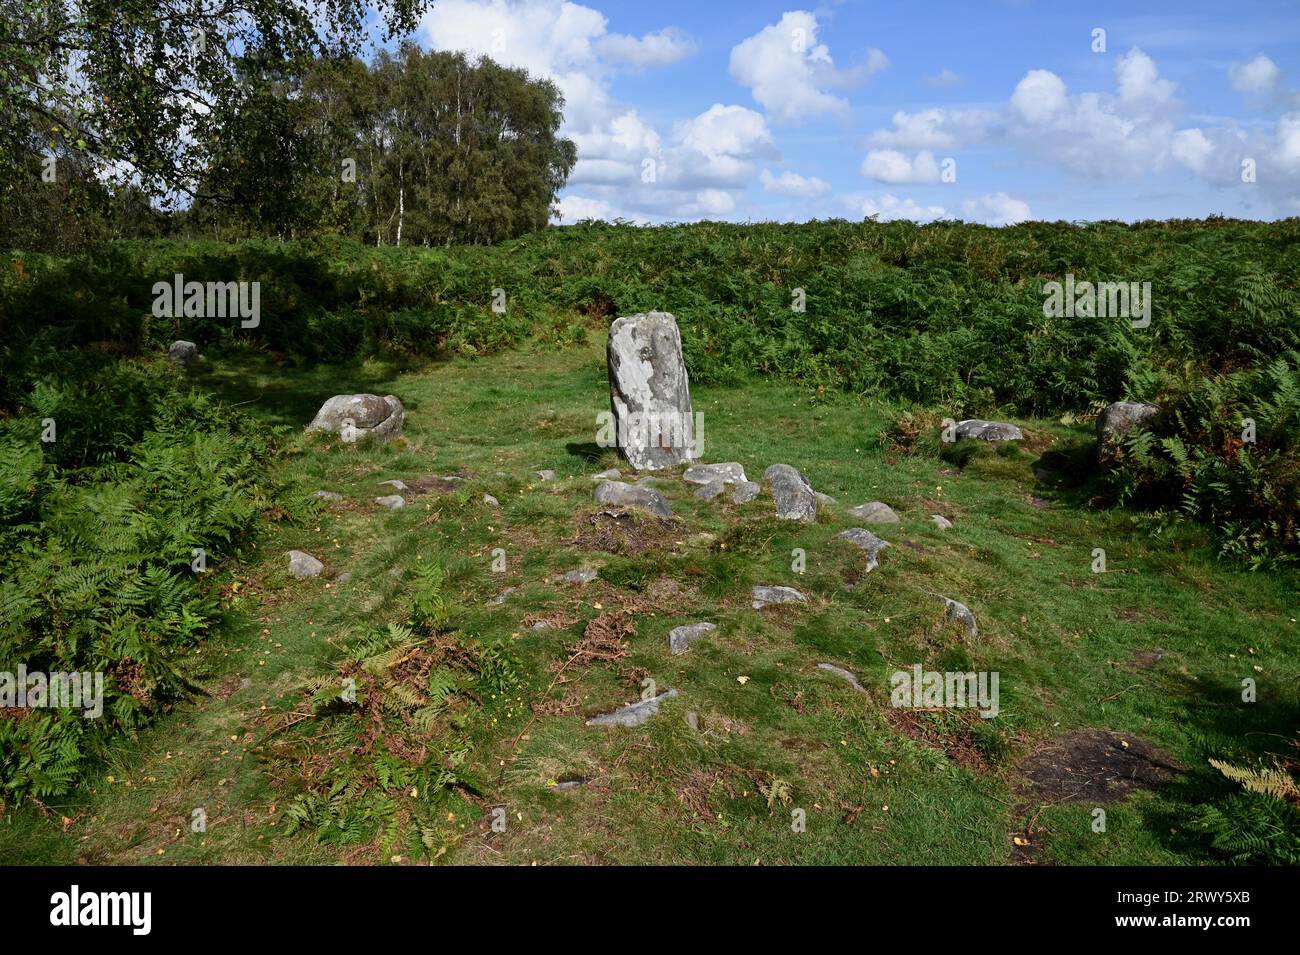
[(303, 564), (959, 613), (843, 674), (729, 473), (649, 392), (861, 537), (1117, 419), (795, 498), (763, 596), (183, 353), (681, 638), (353, 417), (875, 512), (631, 495), (391, 501), (988, 430), (745, 492), (707, 492), (941, 522)]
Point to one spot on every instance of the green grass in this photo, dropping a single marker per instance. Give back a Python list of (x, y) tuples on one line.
[(1019, 556)]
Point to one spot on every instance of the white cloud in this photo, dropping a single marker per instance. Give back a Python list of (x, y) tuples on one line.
[(1260, 76), (576, 208), (1039, 97), (936, 129), (1139, 80), (876, 61), (944, 78), (995, 209), (891, 166), (661, 48), (792, 184), (789, 72), (888, 207), (715, 202)]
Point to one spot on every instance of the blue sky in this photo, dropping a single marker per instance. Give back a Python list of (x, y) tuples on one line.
[(993, 111)]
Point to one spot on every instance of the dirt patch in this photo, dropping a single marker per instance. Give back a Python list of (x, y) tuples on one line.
[(958, 744), (1095, 766), (230, 685), (1145, 659), (619, 531)]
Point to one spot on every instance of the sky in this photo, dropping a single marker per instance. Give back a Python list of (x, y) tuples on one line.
[(995, 111)]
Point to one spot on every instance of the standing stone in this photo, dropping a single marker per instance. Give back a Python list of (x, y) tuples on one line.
[(353, 417), (649, 392), (795, 498)]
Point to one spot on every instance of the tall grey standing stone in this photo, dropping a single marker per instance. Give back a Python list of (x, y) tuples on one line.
[(649, 392), (353, 417), (795, 498)]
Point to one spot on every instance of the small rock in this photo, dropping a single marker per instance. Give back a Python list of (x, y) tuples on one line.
[(875, 512), (395, 485), (843, 674), (391, 501), (612, 474), (795, 499), (543, 625), (500, 598), (489, 499), (183, 353), (708, 492), (583, 575), (868, 541), (941, 522), (823, 498), (693, 720), (546, 474), (959, 613), (681, 638), (729, 473), (776, 595), (631, 495), (327, 495), (745, 492), (344, 577), (303, 564), (988, 430), (634, 714)]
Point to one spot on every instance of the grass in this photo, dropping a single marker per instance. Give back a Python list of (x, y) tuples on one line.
[(776, 734)]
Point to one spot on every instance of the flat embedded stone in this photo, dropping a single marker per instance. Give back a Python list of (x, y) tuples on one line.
[(634, 714), (681, 638)]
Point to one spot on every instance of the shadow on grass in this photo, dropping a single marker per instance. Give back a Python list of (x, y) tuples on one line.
[(282, 394)]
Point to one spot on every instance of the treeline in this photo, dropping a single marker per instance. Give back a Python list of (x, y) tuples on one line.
[(416, 148), (413, 148)]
